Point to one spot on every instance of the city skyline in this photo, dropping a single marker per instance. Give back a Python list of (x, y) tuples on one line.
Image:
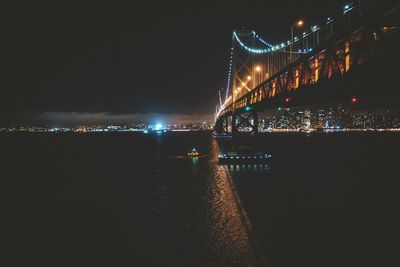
[(328, 117)]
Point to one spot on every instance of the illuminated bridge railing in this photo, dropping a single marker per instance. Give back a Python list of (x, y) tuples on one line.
[(335, 56)]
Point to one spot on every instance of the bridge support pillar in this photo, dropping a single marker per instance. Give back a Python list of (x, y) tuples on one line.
[(234, 124), (222, 125), (245, 120), (219, 126), (255, 122)]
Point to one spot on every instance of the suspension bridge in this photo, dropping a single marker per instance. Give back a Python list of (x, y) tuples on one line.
[(353, 55)]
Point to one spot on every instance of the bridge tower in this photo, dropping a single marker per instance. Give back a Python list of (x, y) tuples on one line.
[(243, 82)]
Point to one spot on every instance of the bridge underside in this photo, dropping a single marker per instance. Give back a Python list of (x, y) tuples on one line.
[(376, 83), (362, 63)]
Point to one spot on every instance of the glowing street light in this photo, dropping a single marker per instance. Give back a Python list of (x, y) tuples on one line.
[(298, 24), (258, 77), (248, 78)]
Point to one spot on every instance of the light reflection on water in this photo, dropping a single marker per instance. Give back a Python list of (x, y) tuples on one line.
[(138, 201), (230, 241), (226, 234), (247, 167)]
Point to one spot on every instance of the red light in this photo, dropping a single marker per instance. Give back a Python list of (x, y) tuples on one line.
[(287, 99), (354, 100)]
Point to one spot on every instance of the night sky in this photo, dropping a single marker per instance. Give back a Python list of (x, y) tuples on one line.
[(137, 59)]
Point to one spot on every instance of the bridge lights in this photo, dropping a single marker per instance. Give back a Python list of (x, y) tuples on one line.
[(347, 8), (314, 28), (249, 78), (258, 68), (329, 20)]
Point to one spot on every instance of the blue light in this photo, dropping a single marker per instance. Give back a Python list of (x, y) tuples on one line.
[(262, 40), (158, 126), (252, 50), (248, 108)]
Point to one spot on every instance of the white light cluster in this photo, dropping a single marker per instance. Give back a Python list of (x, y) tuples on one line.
[(347, 8), (252, 50), (329, 20), (314, 28), (229, 78), (271, 48), (305, 50), (262, 40)]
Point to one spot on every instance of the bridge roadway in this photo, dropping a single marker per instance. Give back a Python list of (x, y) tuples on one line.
[(360, 60)]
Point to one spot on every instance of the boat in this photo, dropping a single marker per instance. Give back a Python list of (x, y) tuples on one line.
[(193, 153), (239, 157)]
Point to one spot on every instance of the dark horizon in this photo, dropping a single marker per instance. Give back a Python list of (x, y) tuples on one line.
[(131, 60)]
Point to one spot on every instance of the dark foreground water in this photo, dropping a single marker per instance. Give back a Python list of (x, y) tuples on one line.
[(130, 200)]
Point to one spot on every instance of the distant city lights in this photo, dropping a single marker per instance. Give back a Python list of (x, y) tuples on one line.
[(158, 126)]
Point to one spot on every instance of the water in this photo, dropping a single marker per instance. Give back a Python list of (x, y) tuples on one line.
[(130, 200)]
